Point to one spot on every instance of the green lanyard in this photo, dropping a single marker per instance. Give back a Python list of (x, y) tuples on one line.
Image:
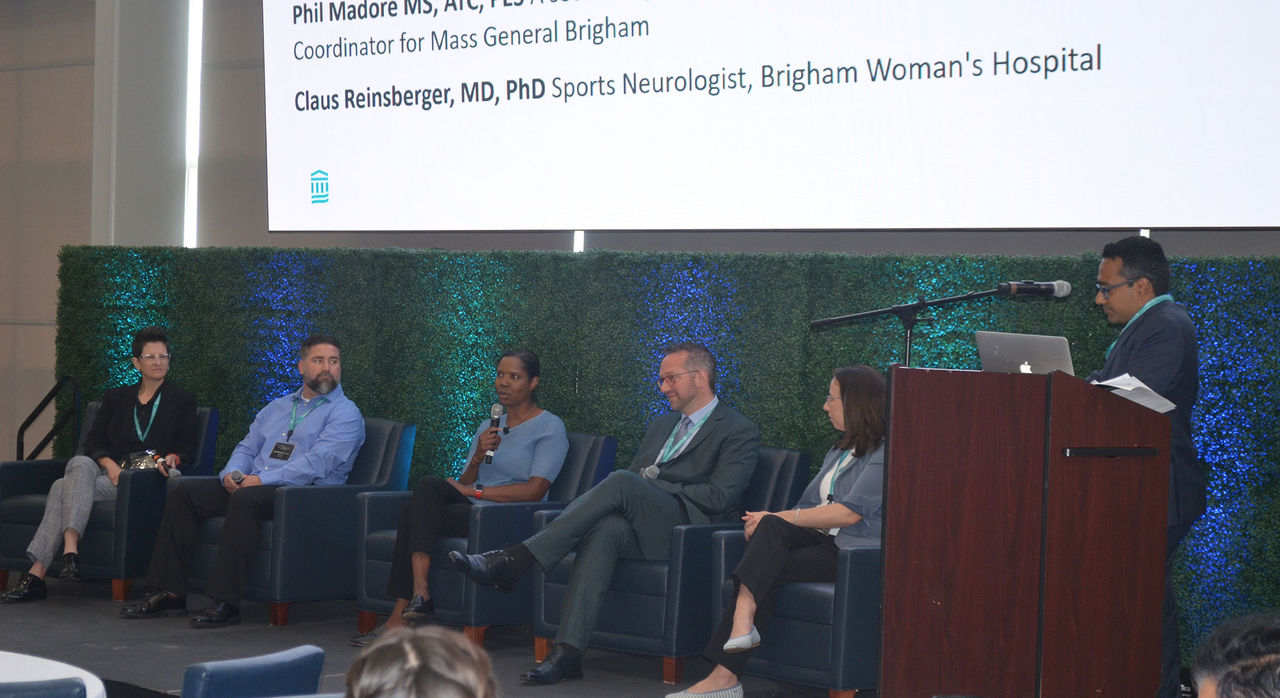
[(1165, 298), (295, 420), (840, 466), (137, 428), (673, 448)]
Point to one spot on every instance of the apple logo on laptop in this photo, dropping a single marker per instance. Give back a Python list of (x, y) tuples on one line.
[(1025, 367)]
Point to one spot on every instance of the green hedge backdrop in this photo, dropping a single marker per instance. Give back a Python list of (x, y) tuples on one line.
[(421, 331)]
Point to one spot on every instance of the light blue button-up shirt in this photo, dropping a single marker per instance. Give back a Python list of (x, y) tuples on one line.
[(324, 443)]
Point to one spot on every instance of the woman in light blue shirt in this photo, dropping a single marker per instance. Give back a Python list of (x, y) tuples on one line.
[(533, 447), (840, 508)]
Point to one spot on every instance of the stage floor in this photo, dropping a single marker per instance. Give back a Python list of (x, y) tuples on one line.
[(78, 624)]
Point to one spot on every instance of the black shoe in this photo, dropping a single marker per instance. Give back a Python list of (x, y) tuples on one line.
[(154, 605), (564, 662), (70, 567), (219, 615), (419, 610), (28, 588), (363, 639), (494, 568)]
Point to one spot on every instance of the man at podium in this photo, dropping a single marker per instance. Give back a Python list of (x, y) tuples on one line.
[(1157, 345)]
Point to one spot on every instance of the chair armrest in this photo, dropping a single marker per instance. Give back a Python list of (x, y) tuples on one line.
[(29, 476), (314, 544), (545, 516), (495, 525), (856, 610), (378, 511)]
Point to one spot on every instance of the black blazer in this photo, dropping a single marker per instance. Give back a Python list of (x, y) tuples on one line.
[(114, 436), (1159, 349)]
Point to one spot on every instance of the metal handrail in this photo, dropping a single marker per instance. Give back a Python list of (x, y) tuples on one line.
[(59, 423)]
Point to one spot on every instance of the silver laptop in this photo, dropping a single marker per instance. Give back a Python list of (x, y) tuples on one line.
[(1006, 352)]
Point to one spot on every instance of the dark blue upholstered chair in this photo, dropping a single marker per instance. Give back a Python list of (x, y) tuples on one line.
[(821, 634), (52, 688), (308, 551), (663, 607), (493, 525), (293, 671), (118, 539)]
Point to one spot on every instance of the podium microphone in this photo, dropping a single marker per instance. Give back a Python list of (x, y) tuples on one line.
[(1057, 289), (495, 414)]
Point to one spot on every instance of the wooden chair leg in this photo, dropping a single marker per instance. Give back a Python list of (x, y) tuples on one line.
[(366, 621), (120, 589), (541, 648), (833, 693), (280, 613), (672, 669), (475, 633), (4, 579)]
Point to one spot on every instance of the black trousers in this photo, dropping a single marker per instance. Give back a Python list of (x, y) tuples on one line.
[(437, 509), (186, 507), (778, 553), (1170, 649)]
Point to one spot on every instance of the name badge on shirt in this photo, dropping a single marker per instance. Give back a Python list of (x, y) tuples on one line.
[(282, 450)]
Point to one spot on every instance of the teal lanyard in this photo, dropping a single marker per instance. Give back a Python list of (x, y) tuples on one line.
[(137, 428), (1165, 298), (840, 466), (295, 420), (673, 447)]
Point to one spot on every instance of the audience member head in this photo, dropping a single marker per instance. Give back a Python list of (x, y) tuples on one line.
[(145, 336), (1240, 659), (863, 401), (429, 661)]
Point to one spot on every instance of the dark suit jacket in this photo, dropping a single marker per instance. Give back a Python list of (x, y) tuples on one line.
[(174, 431), (711, 474), (1159, 349)]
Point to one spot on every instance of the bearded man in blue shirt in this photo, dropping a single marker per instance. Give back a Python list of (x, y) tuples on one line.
[(309, 437)]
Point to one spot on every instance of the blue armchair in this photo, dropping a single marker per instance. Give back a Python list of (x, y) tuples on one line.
[(663, 607), (821, 634), (293, 671), (51, 688), (121, 533), (493, 525), (307, 552)]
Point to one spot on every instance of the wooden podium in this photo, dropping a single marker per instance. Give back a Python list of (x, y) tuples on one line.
[(1024, 538)]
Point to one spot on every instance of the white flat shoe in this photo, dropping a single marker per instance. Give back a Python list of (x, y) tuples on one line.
[(734, 691), (742, 643)]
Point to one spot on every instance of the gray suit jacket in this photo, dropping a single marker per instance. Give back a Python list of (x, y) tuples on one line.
[(711, 474)]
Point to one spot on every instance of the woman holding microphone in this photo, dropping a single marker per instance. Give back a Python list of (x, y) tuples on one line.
[(533, 447)]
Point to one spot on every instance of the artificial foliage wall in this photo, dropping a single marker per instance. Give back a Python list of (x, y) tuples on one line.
[(421, 331)]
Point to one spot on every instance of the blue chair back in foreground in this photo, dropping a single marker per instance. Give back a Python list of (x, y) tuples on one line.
[(53, 688), (293, 671)]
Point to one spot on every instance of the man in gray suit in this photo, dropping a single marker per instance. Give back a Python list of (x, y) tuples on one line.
[(692, 467)]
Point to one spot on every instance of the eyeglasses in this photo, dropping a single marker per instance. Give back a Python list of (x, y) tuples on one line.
[(1106, 290), (831, 398), (155, 357), (662, 380)]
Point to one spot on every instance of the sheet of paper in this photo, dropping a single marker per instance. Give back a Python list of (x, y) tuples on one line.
[(1127, 386)]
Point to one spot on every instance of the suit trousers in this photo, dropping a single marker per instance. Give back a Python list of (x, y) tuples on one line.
[(186, 507), (622, 517), (1170, 649), (778, 553), (437, 509), (68, 505)]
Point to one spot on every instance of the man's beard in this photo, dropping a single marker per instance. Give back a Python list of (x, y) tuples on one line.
[(322, 384)]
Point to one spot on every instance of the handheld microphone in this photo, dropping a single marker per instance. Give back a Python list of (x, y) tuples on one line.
[(1057, 289), (495, 414), (651, 472), (236, 476)]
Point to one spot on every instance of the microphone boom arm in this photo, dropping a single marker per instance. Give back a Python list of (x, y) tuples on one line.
[(908, 313)]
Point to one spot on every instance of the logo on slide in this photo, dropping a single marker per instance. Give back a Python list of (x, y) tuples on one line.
[(319, 187)]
